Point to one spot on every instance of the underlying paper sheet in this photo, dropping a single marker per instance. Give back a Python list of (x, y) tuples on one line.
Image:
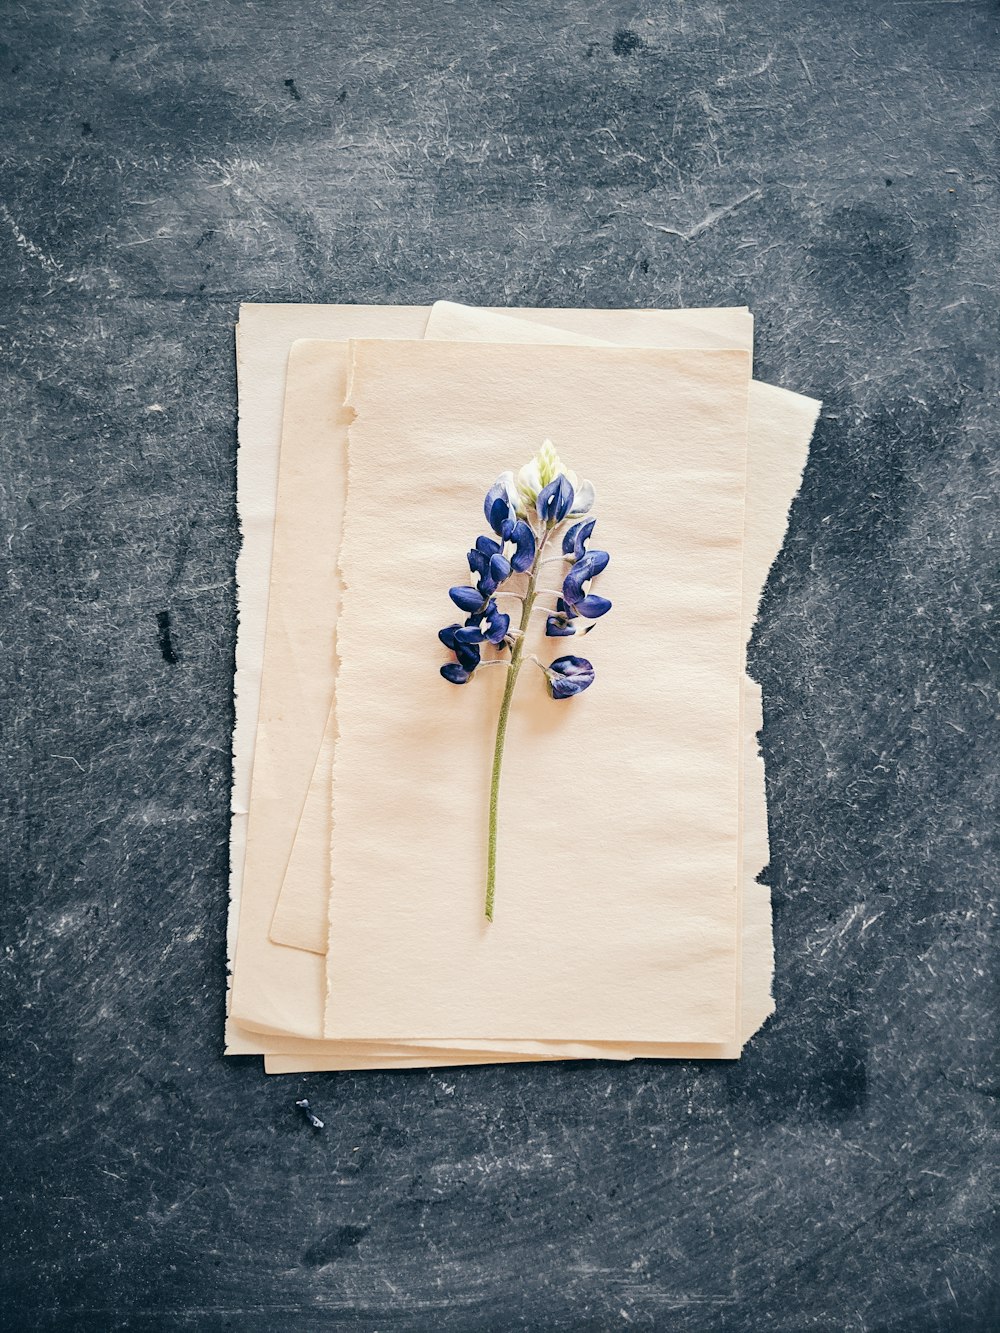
[(264, 338), (617, 893), (303, 907), (785, 431)]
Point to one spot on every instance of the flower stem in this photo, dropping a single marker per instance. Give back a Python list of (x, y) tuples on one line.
[(501, 737)]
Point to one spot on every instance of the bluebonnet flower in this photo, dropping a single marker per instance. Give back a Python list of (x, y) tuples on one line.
[(567, 676), (523, 538), (574, 602), (557, 625), (500, 505), (575, 541), (493, 568), (468, 656), (574, 589), (543, 469), (545, 502), (490, 626), (555, 501)]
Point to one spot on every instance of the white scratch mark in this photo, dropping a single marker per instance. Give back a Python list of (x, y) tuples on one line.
[(71, 760), (29, 247), (802, 62), (710, 220)]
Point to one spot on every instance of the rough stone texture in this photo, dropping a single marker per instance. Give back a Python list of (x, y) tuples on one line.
[(833, 164)]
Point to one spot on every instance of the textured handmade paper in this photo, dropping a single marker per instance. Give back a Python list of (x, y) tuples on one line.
[(617, 890), (269, 983), (301, 916), (783, 423)]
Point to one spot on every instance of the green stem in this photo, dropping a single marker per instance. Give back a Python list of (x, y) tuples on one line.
[(508, 694)]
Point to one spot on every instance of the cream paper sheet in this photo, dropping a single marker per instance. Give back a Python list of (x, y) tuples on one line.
[(302, 908), (264, 338), (301, 916), (781, 428), (276, 979), (617, 885), (787, 424)]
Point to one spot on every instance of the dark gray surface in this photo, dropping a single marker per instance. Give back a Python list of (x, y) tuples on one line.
[(833, 165)]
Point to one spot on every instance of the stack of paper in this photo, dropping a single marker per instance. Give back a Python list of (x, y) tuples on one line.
[(629, 921)]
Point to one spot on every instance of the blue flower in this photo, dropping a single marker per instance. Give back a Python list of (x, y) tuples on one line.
[(574, 590), (468, 656), (575, 540), (467, 599), (555, 500), (557, 626), (492, 569), (524, 545), (490, 625), (567, 676), (498, 505)]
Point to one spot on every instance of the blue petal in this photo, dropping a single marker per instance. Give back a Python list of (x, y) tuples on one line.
[(469, 635), (596, 562), (557, 627), (498, 572), (555, 500), (572, 589), (447, 635), (593, 606), (468, 655), (498, 627), (524, 540), (588, 568), (496, 506), (568, 676), (455, 672), (576, 537), (500, 568), (466, 598), (477, 562), (487, 546)]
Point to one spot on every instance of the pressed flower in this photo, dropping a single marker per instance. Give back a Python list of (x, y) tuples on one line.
[(543, 469), (524, 514), (523, 538), (568, 676), (490, 626), (554, 501), (557, 626), (468, 655), (576, 583), (500, 505), (575, 541), (492, 568)]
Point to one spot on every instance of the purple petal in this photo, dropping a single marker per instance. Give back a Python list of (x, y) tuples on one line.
[(568, 676), (597, 562), (496, 506), (524, 540), (498, 627), (555, 500), (576, 537), (471, 633), (455, 672), (593, 606), (557, 627), (465, 598)]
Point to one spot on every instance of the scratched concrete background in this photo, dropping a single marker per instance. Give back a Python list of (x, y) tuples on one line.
[(834, 165)]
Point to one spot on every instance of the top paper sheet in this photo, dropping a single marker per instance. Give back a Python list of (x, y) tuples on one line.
[(616, 905)]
